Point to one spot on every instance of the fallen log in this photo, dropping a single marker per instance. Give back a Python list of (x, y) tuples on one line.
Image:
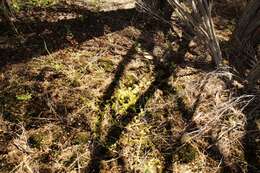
[(103, 5)]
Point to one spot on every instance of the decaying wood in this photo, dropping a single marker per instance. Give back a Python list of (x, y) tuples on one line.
[(103, 5)]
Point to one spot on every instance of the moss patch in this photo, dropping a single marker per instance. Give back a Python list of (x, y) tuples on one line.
[(80, 138), (37, 140), (107, 64), (187, 154)]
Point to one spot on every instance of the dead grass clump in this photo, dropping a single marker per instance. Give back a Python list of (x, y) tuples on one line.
[(217, 113)]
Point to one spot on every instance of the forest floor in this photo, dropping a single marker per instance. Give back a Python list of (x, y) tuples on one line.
[(117, 91)]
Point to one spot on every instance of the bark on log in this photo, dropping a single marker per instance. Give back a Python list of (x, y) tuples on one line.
[(103, 5)]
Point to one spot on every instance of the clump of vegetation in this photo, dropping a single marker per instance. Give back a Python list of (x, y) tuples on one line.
[(106, 64), (36, 140), (24, 97), (124, 99), (81, 138), (187, 154)]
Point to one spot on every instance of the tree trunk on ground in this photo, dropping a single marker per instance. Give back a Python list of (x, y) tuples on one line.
[(103, 5), (246, 40)]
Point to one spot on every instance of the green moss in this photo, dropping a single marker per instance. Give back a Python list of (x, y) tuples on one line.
[(57, 66), (81, 138), (187, 154), (36, 140), (42, 3), (106, 64), (124, 99), (130, 80), (24, 97)]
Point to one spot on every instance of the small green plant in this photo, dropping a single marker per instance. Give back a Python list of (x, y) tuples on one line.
[(137, 46), (24, 97), (173, 65), (124, 98), (16, 6), (41, 3)]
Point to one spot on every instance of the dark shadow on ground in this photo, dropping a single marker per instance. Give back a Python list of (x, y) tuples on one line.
[(232, 10), (251, 146), (114, 133), (163, 71), (42, 37), (240, 62)]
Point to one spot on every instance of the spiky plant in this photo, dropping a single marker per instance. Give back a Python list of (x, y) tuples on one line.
[(198, 18), (151, 7), (200, 21)]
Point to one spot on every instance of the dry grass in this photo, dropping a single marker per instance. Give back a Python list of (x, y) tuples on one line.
[(53, 111)]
